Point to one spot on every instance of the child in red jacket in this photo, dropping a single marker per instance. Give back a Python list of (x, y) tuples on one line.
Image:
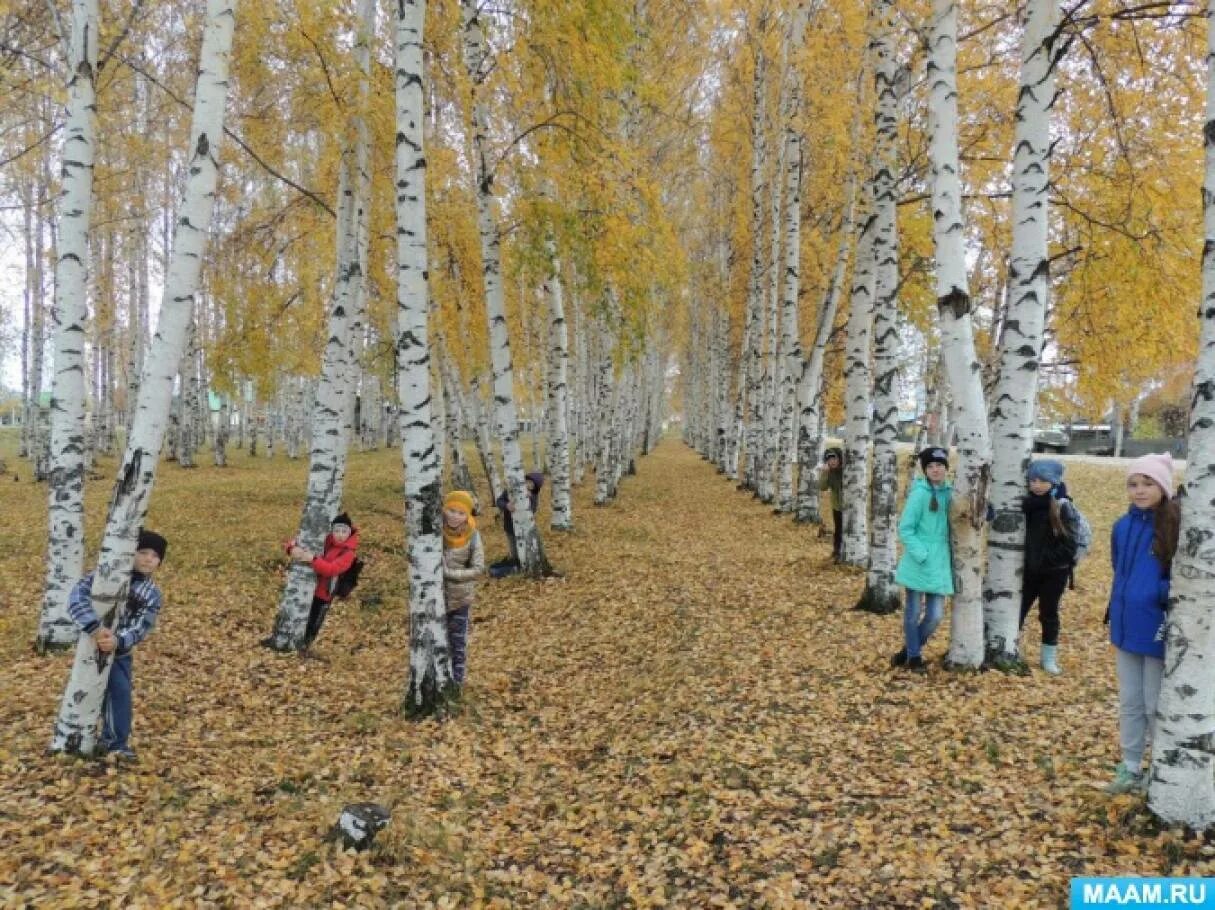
[(338, 556)]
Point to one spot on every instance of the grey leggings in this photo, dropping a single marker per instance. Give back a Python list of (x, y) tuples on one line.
[(1138, 688)]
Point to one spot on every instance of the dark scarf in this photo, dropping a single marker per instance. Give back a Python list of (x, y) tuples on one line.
[(1032, 504)]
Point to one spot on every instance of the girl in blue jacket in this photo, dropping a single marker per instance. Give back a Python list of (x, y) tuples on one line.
[(1142, 545), (926, 569)]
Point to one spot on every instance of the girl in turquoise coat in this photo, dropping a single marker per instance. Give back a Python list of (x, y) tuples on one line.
[(926, 569)]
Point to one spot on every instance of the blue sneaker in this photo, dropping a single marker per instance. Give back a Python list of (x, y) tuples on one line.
[(1125, 780)]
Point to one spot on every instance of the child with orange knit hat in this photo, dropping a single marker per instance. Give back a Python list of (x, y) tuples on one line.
[(463, 562)]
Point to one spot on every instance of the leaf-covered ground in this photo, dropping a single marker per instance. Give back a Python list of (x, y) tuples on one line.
[(693, 717)]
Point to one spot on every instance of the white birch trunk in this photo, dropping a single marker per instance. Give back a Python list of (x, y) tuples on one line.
[(1181, 789), (558, 405), (766, 477), (220, 439), (527, 535), (753, 342), (65, 520), (253, 412), (430, 679), (1012, 406), (969, 502), (607, 403), (239, 410), (187, 441), (373, 411), (791, 342), (654, 392), (30, 384), (36, 323), (362, 241), (80, 708), (456, 418), (298, 392), (723, 444), (858, 387), (880, 594), (269, 421), (485, 447), (330, 422), (811, 430), (578, 400)]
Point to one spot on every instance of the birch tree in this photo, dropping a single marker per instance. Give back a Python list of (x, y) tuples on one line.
[(880, 594), (80, 708), (1012, 408), (858, 380), (771, 411), (969, 502), (430, 680), (791, 344), (751, 364), (331, 419), (531, 553), (558, 404), (34, 323), (359, 319), (1181, 789), (65, 522), (811, 424)]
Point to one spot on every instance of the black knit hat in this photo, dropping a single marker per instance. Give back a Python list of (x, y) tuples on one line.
[(150, 540), (343, 519), (933, 454)]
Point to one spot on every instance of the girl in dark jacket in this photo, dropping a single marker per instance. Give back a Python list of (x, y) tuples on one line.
[(831, 478), (533, 481), (1051, 549), (1142, 545)]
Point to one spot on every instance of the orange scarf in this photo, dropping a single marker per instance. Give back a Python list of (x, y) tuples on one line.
[(453, 540)]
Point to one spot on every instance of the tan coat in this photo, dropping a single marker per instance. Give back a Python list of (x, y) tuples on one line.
[(461, 567)]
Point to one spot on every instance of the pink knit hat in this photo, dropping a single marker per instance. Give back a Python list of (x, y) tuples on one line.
[(1156, 466)]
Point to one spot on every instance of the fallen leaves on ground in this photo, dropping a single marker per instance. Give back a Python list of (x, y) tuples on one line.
[(691, 717)]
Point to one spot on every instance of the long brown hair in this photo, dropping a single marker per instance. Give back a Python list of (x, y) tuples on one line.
[(1168, 528), (1056, 518)]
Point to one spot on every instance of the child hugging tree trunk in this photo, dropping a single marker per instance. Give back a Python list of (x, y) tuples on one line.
[(463, 563), (831, 478), (339, 553), (137, 622), (533, 481)]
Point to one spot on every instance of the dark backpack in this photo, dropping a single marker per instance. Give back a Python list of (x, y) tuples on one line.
[(348, 580)]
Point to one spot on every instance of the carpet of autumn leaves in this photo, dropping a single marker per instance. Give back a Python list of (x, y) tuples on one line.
[(691, 717)]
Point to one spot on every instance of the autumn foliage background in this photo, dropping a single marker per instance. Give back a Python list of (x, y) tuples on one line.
[(691, 717)]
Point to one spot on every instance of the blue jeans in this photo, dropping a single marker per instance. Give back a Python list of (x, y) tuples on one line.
[(917, 631), (116, 709)]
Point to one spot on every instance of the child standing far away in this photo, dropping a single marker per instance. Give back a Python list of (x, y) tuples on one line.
[(533, 481), (926, 569), (1053, 542), (1142, 545), (341, 544), (139, 618), (463, 562), (831, 477)]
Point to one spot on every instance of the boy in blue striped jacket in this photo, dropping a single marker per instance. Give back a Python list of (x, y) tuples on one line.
[(138, 620)]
